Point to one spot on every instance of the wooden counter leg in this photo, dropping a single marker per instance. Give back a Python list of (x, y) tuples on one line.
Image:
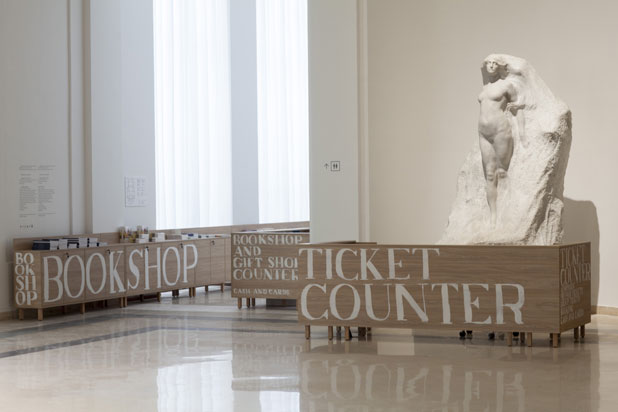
[(330, 333), (529, 338), (248, 302), (582, 331), (82, 308), (338, 331), (141, 298), (239, 303), (39, 314), (576, 333), (222, 286), (175, 293), (158, 296), (20, 314), (206, 289), (347, 333), (554, 340), (509, 338), (307, 331), (253, 302)]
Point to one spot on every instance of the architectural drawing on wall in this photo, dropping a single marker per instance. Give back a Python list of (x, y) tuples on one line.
[(135, 192), (509, 190)]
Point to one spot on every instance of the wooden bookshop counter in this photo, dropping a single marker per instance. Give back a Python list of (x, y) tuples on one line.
[(58, 278)]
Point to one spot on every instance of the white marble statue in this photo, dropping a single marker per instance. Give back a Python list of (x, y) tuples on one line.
[(498, 103), (509, 190)]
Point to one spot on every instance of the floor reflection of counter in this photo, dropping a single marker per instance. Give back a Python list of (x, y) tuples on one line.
[(442, 375), (202, 354), (265, 363)]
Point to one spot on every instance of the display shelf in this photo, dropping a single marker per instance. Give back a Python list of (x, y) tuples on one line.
[(58, 278)]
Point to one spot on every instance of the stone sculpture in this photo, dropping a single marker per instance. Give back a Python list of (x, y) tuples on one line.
[(509, 190)]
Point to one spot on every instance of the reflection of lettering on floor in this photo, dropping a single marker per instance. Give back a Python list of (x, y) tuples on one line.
[(349, 381)]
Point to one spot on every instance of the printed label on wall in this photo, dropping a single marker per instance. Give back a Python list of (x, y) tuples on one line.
[(37, 195)]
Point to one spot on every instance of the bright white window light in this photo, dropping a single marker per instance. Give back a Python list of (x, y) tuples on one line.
[(283, 124), (192, 113)]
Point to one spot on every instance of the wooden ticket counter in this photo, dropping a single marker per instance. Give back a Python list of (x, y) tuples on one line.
[(264, 265), (526, 289)]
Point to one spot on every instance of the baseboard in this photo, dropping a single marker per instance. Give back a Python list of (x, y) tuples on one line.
[(8, 315), (604, 310)]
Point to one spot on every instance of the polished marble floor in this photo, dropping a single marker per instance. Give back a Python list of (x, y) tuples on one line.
[(203, 354)]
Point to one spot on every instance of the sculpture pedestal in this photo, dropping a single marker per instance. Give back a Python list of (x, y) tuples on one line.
[(525, 289)]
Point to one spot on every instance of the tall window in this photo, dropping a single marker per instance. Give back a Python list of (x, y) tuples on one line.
[(194, 162), (192, 113), (283, 125)]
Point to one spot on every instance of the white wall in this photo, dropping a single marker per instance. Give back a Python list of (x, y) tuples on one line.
[(34, 116), (56, 103), (333, 119), (243, 65), (122, 110), (424, 77), (137, 97)]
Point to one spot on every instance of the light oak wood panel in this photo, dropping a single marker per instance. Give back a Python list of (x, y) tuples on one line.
[(265, 264), (190, 257), (202, 271), (134, 270), (217, 261), (171, 266), (575, 290), (74, 276), (27, 280), (105, 270), (228, 260)]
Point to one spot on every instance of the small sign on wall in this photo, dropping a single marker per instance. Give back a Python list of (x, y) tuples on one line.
[(37, 195), (135, 192)]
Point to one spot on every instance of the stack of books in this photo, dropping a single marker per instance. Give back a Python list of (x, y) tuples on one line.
[(66, 243)]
